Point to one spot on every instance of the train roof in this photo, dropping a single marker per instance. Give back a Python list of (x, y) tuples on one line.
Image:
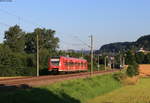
[(69, 58)]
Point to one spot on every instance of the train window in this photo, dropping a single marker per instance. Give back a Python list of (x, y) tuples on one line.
[(81, 64), (55, 62), (76, 64), (68, 63), (71, 63), (65, 63)]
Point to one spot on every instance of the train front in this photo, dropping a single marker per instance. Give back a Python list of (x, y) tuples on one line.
[(54, 64)]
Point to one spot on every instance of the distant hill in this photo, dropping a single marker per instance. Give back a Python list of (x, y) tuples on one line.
[(142, 42)]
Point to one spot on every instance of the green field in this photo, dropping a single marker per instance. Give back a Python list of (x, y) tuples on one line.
[(71, 91), (139, 93)]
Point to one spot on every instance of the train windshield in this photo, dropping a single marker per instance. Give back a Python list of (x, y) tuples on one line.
[(55, 62)]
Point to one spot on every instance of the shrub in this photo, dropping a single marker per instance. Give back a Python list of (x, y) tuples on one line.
[(124, 78), (133, 70), (119, 76), (16, 64)]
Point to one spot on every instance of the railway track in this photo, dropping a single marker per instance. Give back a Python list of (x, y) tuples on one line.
[(45, 80)]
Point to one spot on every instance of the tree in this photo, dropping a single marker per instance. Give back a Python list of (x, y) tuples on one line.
[(14, 39), (48, 44), (129, 59), (8, 63), (15, 64), (133, 70), (139, 57), (147, 59), (30, 43), (47, 40), (18, 53)]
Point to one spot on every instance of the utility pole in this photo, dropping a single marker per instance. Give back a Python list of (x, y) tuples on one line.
[(37, 45), (19, 21), (98, 63), (91, 54), (123, 59), (82, 52), (105, 62), (110, 62), (113, 63), (121, 63)]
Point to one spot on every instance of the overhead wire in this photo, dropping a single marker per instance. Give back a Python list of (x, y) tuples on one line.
[(4, 24), (38, 25), (69, 43), (82, 41), (74, 44), (21, 18)]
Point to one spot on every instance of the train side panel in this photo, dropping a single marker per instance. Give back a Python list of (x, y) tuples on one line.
[(68, 64)]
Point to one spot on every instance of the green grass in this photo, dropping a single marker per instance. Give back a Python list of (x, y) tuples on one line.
[(71, 91), (139, 93)]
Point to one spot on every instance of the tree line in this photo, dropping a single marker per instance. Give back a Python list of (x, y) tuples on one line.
[(18, 51), (139, 58), (130, 57)]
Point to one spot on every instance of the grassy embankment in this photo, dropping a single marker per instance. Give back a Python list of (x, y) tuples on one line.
[(71, 91), (138, 93)]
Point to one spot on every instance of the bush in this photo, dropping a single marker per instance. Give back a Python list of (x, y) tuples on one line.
[(125, 79), (120, 75), (133, 70), (16, 64)]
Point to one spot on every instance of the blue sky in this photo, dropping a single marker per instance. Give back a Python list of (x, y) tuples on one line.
[(107, 20)]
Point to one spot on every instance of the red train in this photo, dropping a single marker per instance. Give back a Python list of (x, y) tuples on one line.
[(67, 64)]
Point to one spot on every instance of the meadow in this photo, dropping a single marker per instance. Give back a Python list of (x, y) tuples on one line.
[(139, 93), (70, 91)]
